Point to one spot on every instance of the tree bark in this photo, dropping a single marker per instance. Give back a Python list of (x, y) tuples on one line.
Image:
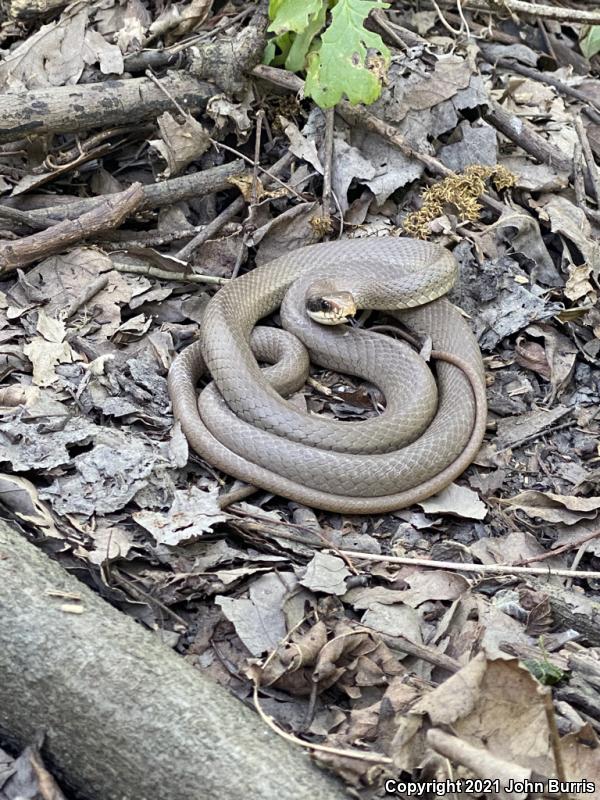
[(126, 718), (97, 105)]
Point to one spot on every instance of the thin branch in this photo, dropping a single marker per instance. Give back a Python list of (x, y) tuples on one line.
[(555, 740), (591, 108), (485, 569), (592, 167), (559, 550), (534, 10), (327, 160), (229, 213), (166, 275), (109, 213)]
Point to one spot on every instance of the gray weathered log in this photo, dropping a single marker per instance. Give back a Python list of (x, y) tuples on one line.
[(125, 717), (95, 105)]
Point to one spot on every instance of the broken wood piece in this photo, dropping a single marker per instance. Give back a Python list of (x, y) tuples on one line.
[(108, 213), (198, 184), (126, 718), (97, 105)]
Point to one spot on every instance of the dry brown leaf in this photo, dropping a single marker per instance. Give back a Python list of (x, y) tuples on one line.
[(21, 497), (510, 549), (45, 356), (554, 507), (456, 500), (326, 573), (532, 355), (181, 142), (581, 758), (258, 619), (192, 514), (51, 57), (493, 704), (561, 353)]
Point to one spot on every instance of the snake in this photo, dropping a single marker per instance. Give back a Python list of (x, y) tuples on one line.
[(244, 424)]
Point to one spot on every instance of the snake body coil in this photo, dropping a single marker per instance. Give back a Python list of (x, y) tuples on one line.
[(242, 424)]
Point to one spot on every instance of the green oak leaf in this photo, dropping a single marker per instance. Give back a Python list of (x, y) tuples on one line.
[(339, 67), (296, 59), (292, 15), (590, 44), (277, 49)]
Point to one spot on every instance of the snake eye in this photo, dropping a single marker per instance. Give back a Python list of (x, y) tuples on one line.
[(318, 305)]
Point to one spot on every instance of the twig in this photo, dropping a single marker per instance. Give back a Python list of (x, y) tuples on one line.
[(410, 38), (444, 21), (327, 159), (478, 760), (362, 755), (591, 108), (169, 192), (589, 158), (166, 275), (127, 238), (559, 550), (257, 142), (523, 134), (252, 163), (380, 18), (576, 561), (428, 654), (534, 10), (463, 19), (25, 218), (578, 182), (210, 230), (229, 213), (537, 435), (554, 739), (486, 569), (325, 542), (141, 594), (87, 294), (260, 117), (320, 748)]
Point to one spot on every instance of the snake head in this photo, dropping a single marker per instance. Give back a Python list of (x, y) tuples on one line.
[(332, 308)]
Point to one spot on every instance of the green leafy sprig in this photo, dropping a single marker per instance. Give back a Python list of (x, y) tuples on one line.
[(328, 39)]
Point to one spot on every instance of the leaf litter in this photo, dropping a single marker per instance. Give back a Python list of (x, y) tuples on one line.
[(405, 669)]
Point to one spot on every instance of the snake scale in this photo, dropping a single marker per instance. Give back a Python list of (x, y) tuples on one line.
[(242, 424)]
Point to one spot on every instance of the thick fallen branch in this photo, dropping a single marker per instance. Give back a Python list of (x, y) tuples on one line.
[(108, 214), (164, 193), (97, 105), (125, 717)]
